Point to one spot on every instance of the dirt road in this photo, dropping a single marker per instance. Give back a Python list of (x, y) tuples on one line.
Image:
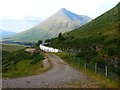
[(60, 75)]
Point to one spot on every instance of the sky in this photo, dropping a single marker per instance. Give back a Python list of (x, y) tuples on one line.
[(20, 15)]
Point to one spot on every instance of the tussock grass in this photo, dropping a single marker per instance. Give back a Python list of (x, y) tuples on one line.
[(21, 63), (24, 68)]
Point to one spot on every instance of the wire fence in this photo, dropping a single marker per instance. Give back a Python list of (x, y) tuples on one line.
[(103, 70)]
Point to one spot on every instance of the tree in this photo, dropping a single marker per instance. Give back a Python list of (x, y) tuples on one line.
[(60, 37), (39, 42)]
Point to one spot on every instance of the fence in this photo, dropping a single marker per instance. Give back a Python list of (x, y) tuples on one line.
[(106, 71)]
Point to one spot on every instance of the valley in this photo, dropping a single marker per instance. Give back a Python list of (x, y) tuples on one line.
[(66, 50), (61, 73)]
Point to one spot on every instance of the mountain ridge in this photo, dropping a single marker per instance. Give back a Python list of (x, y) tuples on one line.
[(60, 22)]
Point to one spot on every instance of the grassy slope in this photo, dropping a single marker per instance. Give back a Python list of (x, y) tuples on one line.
[(23, 68), (101, 31), (18, 63), (11, 47), (8, 48)]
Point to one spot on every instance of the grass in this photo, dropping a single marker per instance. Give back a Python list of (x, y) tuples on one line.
[(106, 82), (8, 48), (19, 63), (12, 47), (24, 68)]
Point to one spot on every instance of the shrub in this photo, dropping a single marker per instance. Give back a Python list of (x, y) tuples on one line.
[(15, 57)]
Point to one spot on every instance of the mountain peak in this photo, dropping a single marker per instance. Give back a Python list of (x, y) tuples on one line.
[(60, 22), (63, 9), (62, 12)]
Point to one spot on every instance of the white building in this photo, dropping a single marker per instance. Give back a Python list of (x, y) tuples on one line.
[(48, 49)]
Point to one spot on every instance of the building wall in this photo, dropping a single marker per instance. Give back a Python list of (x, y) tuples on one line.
[(48, 49)]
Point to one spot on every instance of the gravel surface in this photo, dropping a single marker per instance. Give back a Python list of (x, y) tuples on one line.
[(61, 75), (46, 64), (0, 83)]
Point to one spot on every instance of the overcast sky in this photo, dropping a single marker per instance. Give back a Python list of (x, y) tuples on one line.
[(27, 13)]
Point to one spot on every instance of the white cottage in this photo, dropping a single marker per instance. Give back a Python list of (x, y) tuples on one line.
[(48, 49)]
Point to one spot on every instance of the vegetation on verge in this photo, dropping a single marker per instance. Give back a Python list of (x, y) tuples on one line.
[(11, 47), (21, 63), (79, 64)]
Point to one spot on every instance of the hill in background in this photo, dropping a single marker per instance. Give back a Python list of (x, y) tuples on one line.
[(62, 21), (5, 34)]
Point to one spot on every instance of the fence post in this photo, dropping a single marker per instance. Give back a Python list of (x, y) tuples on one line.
[(106, 71), (85, 65), (95, 67), (85, 62)]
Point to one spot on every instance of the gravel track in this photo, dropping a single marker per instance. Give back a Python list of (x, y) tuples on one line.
[(61, 75)]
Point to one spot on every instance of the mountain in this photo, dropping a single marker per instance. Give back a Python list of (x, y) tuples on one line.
[(5, 34), (96, 40), (60, 22)]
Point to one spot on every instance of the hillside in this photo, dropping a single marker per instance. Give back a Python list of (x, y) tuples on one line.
[(62, 21), (18, 62), (97, 40)]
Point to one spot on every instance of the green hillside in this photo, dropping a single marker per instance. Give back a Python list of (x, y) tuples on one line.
[(19, 63), (97, 40)]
